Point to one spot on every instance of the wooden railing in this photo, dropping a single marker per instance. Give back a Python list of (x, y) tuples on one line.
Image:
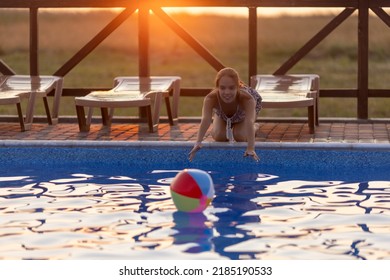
[(362, 92)]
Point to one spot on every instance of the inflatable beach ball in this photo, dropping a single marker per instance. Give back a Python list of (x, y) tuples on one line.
[(192, 190)]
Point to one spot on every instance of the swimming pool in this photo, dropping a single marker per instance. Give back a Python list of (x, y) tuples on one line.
[(96, 200)]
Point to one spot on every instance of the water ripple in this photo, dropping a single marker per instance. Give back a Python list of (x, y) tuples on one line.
[(253, 216)]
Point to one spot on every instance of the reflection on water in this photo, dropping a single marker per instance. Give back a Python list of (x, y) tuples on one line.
[(253, 216)]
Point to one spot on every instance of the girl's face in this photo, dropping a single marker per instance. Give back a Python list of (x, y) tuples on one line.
[(227, 89)]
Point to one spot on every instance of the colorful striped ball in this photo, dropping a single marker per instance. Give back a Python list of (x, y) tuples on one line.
[(192, 190)]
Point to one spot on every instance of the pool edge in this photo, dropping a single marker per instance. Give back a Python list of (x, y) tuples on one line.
[(259, 145)]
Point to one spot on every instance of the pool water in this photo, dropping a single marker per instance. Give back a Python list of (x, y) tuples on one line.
[(114, 203)]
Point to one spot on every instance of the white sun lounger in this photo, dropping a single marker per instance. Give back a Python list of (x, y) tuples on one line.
[(142, 92), (15, 87), (290, 91)]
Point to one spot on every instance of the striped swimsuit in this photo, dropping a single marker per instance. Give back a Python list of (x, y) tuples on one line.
[(239, 115)]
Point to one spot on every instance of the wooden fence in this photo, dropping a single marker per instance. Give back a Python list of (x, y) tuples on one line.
[(362, 93)]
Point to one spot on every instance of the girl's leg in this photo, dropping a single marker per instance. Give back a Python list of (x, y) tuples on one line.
[(218, 131), (240, 133)]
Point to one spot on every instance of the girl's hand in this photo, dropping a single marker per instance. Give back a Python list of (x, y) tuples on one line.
[(192, 153), (251, 154)]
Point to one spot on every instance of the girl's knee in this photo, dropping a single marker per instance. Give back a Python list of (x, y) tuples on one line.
[(239, 133), (239, 137), (220, 137)]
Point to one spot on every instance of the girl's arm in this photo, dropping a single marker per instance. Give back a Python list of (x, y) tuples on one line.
[(249, 106), (207, 113)]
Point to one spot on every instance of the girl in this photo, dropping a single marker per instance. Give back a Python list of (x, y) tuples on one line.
[(235, 107)]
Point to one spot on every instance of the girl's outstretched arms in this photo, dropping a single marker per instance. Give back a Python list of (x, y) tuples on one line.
[(196, 148)]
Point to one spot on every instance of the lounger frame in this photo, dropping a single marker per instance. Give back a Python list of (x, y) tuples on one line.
[(290, 91), (13, 88), (142, 92)]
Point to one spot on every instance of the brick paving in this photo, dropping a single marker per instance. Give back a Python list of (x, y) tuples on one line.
[(336, 131)]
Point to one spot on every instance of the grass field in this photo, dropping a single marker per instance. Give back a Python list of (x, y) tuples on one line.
[(335, 59)]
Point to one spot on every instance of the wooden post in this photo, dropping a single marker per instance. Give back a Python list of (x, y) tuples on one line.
[(143, 48), (143, 41), (362, 94), (34, 41), (252, 42)]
